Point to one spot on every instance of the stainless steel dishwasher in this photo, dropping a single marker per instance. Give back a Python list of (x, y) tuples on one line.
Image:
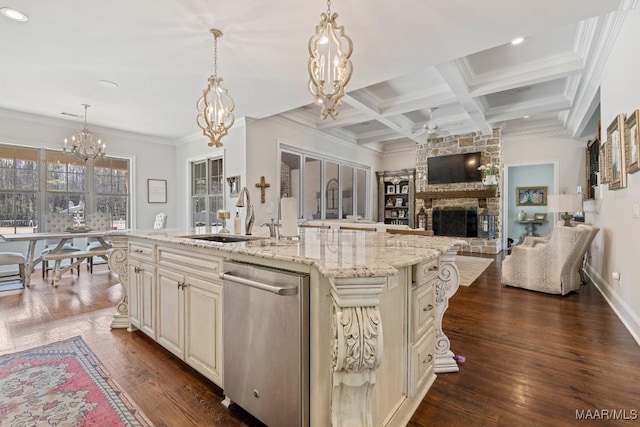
[(266, 342)]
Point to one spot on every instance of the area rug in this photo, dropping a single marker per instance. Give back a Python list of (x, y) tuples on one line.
[(62, 384), (470, 268)]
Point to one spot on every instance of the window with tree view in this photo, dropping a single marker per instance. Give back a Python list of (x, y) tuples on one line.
[(37, 182), (19, 176)]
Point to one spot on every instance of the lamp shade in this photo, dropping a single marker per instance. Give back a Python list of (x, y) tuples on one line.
[(564, 203)]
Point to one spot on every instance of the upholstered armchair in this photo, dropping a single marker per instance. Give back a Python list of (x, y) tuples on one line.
[(550, 267)]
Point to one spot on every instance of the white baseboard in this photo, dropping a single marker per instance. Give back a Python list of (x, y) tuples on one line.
[(628, 318)]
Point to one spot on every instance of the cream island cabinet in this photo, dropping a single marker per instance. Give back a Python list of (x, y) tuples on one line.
[(376, 303)]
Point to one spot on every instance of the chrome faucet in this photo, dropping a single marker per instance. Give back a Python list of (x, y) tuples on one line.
[(273, 228), (249, 216)]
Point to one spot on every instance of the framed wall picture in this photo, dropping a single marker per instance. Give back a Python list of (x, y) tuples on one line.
[(617, 165), (391, 189), (604, 162), (531, 196), (632, 142), (156, 190), (234, 185)]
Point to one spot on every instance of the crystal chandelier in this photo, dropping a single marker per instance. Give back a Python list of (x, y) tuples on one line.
[(329, 66), (215, 107), (83, 143)]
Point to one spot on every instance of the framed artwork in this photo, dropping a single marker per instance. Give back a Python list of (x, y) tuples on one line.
[(156, 190), (391, 188), (632, 142), (531, 196), (603, 160), (234, 185), (617, 165), (540, 216), (399, 202), (405, 189)]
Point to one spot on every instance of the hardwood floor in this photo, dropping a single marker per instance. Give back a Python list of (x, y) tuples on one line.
[(531, 359)]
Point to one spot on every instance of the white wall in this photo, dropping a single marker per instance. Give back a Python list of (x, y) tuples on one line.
[(399, 160), (263, 139), (617, 243), (195, 147)]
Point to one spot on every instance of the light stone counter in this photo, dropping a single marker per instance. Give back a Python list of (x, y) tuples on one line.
[(362, 283), (344, 253)]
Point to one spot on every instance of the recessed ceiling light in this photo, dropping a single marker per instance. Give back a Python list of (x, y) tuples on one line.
[(517, 40), (526, 117), (108, 84), (14, 14)]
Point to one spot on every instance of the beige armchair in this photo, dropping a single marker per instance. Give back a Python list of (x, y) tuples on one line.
[(550, 267)]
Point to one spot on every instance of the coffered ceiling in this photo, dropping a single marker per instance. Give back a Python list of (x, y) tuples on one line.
[(445, 65)]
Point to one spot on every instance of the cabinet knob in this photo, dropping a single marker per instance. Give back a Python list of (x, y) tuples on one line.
[(428, 359), (433, 268), (138, 251), (428, 308), (136, 269), (181, 285)]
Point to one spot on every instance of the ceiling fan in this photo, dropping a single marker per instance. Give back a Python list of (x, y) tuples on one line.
[(432, 128)]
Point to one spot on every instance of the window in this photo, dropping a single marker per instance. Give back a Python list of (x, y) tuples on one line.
[(66, 183), (111, 185), (331, 188), (19, 177), (207, 193), (61, 183)]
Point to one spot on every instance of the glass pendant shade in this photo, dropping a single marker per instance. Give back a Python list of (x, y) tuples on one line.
[(329, 66), (215, 107), (83, 144)]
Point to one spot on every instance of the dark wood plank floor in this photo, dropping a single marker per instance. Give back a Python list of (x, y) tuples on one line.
[(531, 359)]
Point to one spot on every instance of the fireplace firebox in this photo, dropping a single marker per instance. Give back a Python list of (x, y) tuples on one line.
[(455, 222)]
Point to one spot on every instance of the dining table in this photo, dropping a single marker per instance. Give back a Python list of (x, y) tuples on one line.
[(63, 237)]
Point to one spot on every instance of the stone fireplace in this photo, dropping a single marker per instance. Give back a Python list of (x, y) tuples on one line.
[(452, 202)]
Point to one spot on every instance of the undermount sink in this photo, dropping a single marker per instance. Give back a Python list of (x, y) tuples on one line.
[(223, 238)]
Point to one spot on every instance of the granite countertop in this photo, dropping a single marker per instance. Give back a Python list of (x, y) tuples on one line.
[(344, 253)]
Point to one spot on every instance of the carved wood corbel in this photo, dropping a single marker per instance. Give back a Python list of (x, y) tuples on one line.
[(446, 286), (357, 347)]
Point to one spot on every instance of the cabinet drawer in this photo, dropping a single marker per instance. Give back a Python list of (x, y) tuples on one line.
[(426, 272), (204, 265), (142, 251), (422, 363), (423, 310)]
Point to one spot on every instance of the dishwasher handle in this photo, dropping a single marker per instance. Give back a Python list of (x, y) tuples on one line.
[(278, 290)]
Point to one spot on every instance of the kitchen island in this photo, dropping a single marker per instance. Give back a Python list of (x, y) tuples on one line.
[(362, 284)]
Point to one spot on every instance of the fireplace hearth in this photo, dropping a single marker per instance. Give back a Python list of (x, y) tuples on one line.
[(455, 222)]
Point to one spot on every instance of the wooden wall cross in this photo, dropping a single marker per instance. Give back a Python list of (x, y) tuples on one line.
[(263, 186)]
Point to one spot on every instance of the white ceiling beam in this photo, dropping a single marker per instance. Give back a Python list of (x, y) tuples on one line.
[(453, 76), (518, 111)]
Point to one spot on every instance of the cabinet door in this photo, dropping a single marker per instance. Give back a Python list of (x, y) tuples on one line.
[(147, 296), (134, 294), (203, 328), (170, 305)]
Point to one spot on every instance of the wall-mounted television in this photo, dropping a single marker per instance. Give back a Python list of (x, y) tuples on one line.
[(454, 168)]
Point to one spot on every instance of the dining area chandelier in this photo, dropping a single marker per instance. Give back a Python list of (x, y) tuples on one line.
[(215, 106), (83, 143), (329, 65)]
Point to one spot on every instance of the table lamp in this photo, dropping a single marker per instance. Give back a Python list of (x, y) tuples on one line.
[(567, 203)]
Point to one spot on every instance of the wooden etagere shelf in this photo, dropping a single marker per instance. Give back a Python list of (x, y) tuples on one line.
[(481, 195)]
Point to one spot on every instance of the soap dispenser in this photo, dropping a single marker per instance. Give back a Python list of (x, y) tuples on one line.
[(236, 224)]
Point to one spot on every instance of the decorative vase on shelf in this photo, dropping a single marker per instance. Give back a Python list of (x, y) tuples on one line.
[(490, 181), (522, 215)]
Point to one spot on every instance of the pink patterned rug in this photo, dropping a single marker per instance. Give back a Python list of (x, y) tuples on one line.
[(62, 384)]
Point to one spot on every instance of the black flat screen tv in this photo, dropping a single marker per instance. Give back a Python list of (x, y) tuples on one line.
[(454, 168)]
